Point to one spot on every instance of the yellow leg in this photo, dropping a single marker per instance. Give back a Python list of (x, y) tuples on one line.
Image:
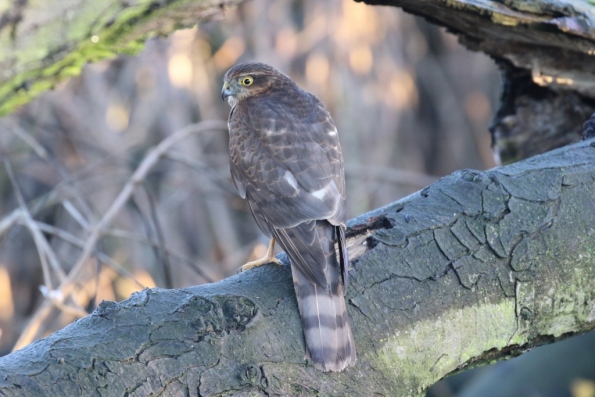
[(268, 258)]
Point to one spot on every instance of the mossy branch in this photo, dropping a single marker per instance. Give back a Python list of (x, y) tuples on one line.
[(42, 43)]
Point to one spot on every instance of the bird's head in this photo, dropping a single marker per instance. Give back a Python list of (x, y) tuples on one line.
[(249, 79)]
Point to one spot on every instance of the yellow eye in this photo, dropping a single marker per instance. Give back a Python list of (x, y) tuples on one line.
[(246, 80)]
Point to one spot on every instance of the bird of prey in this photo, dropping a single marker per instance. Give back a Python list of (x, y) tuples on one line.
[(286, 161)]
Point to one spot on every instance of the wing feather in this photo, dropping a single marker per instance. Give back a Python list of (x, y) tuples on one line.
[(288, 159)]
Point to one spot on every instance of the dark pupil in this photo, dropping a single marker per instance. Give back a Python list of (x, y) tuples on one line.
[(246, 81)]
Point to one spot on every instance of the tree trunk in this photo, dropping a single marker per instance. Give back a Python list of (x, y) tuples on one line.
[(477, 267)]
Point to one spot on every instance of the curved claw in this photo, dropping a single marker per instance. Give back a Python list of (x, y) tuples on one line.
[(259, 262), (268, 258)]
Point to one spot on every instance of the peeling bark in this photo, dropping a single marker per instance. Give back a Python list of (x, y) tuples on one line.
[(477, 267)]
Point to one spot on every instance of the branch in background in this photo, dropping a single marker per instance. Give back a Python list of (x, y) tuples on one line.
[(47, 256), (555, 41), (36, 55), (546, 51)]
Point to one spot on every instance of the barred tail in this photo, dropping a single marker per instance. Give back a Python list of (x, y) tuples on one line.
[(329, 341), (318, 277)]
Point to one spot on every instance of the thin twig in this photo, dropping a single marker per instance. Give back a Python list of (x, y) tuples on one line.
[(75, 214), (147, 240), (216, 177), (77, 242), (79, 313), (40, 150), (58, 300), (393, 175), (9, 220), (27, 138), (160, 252), (119, 233), (44, 250)]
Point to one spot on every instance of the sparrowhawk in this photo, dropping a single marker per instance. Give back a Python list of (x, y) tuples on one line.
[(286, 161)]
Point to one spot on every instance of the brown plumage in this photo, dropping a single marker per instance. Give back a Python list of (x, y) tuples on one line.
[(286, 161)]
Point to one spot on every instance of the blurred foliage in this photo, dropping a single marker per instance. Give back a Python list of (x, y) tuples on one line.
[(410, 104)]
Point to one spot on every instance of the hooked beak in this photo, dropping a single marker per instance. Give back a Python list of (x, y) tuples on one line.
[(226, 91)]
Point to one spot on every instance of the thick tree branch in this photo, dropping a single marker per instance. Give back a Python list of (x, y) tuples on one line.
[(477, 267), (555, 40), (44, 42)]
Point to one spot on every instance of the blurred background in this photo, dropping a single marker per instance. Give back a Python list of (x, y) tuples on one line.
[(410, 104)]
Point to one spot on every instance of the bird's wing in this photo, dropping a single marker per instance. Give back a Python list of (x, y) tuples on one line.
[(288, 161)]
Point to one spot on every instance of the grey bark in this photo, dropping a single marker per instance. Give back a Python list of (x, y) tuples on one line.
[(477, 267)]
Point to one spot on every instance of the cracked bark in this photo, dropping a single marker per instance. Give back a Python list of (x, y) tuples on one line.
[(478, 267)]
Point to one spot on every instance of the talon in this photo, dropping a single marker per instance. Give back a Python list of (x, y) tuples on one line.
[(268, 258)]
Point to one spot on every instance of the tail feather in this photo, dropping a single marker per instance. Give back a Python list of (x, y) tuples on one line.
[(329, 341)]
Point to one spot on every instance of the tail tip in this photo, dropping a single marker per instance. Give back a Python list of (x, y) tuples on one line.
[(333, 367), (333, 364)]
